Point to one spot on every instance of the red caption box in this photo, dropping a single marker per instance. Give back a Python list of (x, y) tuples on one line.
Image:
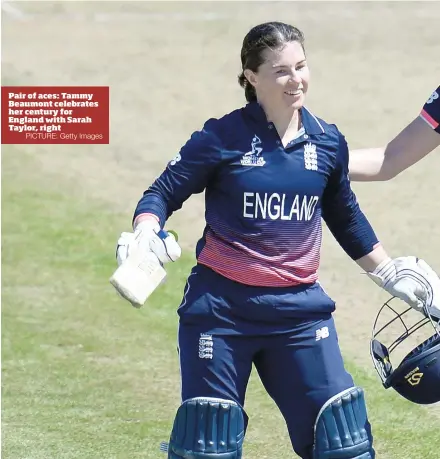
[(55, 114)]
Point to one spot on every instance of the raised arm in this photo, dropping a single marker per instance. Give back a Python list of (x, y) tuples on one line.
[(412, 144)]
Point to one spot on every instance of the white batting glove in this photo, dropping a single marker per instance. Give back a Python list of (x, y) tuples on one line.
[(125, 241), (434, 282), (163, 244), (148, 237), (404, 278), (141, 256)]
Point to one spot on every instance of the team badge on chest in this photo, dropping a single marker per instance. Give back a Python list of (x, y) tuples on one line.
[(310, 157)]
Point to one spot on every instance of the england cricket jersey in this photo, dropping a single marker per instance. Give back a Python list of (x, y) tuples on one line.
[(264, 202), (431, 110)]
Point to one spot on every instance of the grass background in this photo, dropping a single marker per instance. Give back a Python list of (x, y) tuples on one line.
[(84, 375)]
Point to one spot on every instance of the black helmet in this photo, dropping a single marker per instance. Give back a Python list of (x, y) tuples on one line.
[(417, 377)]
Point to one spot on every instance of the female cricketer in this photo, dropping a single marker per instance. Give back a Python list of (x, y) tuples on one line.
[(271, 172)]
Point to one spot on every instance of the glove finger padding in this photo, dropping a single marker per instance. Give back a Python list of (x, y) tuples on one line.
[(165, 247), (125, 242), (144, 232), (434, 286), (408, 290)]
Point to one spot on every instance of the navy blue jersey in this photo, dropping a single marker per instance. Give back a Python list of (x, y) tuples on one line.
[(431, 110), (264, 202)]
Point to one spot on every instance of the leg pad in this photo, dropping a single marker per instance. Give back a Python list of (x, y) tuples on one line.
[(342, 430), (207, 428)]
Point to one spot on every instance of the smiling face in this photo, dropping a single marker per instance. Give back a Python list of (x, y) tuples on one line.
[(282, 80)]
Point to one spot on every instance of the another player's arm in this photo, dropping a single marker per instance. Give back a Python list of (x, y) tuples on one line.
[(412, 144)]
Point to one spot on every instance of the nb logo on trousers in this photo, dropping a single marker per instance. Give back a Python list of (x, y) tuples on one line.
[(322, 333)]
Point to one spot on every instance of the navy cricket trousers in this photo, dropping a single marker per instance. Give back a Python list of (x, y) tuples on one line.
[(288, 334)]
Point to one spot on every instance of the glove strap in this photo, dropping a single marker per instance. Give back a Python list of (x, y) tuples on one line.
[(149, 224), (384, 273)]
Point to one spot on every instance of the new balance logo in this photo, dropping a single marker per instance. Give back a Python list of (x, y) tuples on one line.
[(310, 157), (206, 346), (322, 333), (253, 157), (433, 97), (175, 160)]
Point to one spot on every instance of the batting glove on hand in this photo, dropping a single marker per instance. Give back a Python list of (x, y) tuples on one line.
[(407, 278), (148, 237), (125, 241), (434, 293)]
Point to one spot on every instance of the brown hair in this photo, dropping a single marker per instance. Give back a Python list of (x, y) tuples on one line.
[(270, 35)]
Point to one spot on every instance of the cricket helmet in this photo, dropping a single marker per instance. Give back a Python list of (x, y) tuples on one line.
[(417, 377)]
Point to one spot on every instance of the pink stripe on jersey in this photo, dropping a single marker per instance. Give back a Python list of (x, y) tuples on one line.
[(252, 261), (429, 119)]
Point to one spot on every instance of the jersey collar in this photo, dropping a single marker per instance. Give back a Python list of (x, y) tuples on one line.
[(312, 125)]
